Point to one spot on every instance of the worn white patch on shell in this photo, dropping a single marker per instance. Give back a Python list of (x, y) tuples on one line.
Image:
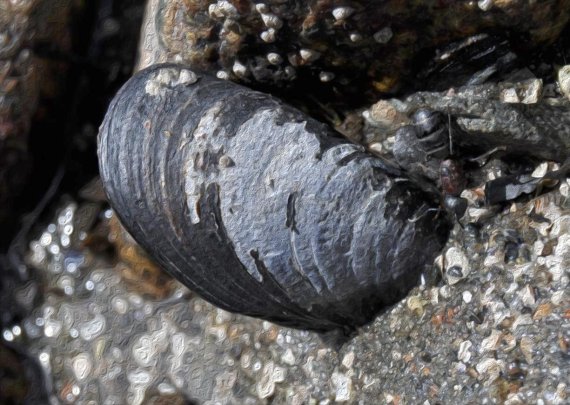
[(201, 143), (168, 78), (343, 386), (376, 147)]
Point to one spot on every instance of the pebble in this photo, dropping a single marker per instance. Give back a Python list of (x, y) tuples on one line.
[(490, 369), (288, 357), (342, 385), (456, 265), (564, 80), (82, 365), (491, 342), (348, 360)]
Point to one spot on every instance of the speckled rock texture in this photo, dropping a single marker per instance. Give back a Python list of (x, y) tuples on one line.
[(495, 330)]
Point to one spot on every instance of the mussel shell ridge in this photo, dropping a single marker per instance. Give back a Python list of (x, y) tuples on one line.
[(259, 208)]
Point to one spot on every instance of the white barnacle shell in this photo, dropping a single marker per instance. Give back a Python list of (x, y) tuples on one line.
[(239, 69), (272, 21), (309, 55), (342, 13), (268, 35), (222, 74), (274, 58), (262, 8), (221, 9)]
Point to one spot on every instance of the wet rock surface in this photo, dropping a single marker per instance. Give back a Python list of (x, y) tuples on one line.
[(495, 330)]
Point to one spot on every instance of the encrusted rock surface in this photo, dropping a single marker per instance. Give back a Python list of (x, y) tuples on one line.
[(498, 333), (355, 48)]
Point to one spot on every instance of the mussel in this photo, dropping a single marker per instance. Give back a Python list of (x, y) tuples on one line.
[(259, 208)]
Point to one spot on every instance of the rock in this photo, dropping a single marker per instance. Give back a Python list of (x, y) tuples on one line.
[(25, 80), (564, 80), (178, 342), (370, 47)]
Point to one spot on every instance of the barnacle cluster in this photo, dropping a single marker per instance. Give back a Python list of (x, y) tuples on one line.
[(344, 49)]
